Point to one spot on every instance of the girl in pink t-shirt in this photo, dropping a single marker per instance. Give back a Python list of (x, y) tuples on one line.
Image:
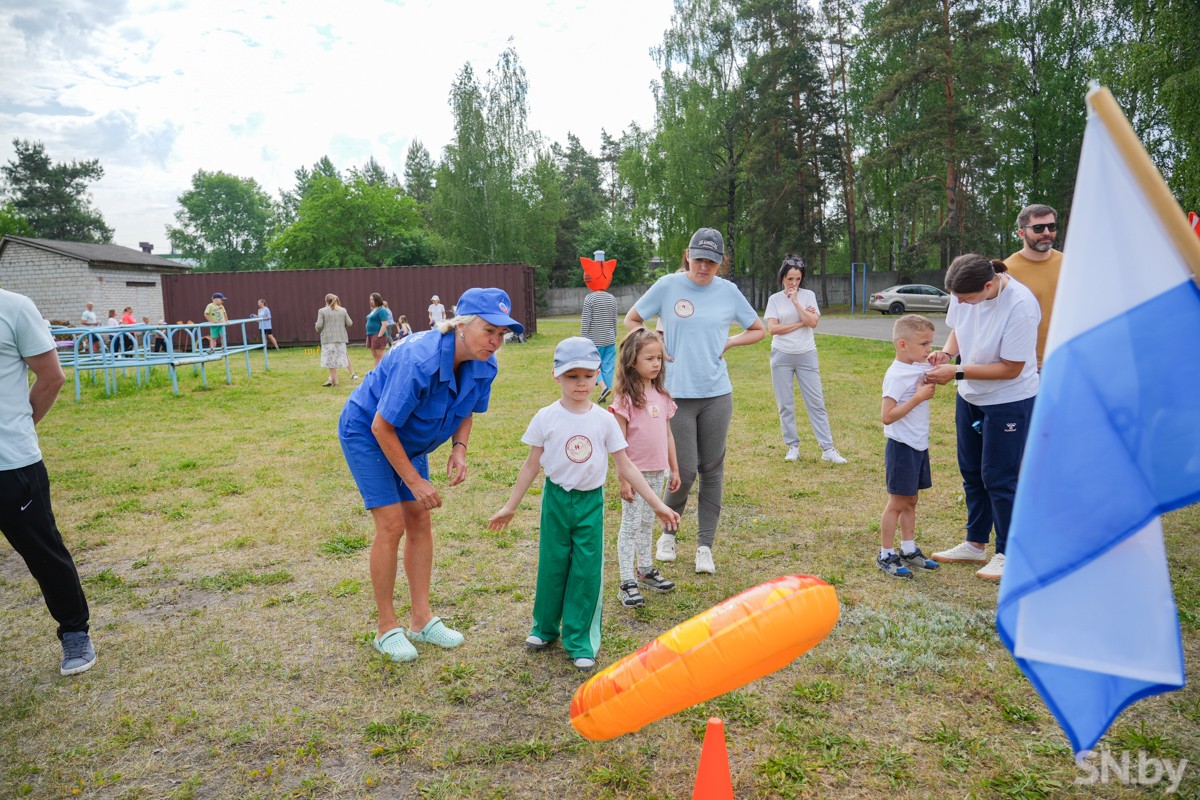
[(643, 407)]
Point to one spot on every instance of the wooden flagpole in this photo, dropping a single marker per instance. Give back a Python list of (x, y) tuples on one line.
[(1147, 176)]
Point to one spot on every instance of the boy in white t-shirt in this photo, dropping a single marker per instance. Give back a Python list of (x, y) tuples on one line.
[(571, 440), (905, 414)]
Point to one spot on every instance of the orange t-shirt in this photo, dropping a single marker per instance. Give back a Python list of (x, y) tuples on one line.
[(1041, 278)]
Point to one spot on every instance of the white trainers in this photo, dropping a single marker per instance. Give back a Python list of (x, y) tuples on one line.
[(962, 552), (832, 456), (704, 560), (993, 570), (666, 547), (792, 454)]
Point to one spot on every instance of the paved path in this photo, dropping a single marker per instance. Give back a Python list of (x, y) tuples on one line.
[(877, 326)]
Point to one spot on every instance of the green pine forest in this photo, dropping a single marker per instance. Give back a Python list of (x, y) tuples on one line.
[(898, 133)]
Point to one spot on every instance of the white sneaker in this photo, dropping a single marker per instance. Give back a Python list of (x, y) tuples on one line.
[(993, 570), (832, 456), (792, 454), (962, 552), (704, 560), (666, 547)]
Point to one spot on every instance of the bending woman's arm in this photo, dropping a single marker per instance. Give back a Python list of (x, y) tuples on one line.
[(389, 443), (456, 466), (945, 372)]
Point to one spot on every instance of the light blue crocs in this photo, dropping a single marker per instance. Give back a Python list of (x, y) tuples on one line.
[(437, 633), (395, 645)]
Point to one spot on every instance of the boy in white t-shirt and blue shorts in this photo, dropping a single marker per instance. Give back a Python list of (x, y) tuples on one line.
[(571, 440), (905, 415)]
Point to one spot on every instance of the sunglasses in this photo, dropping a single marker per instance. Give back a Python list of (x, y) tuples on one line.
[(1044, 226)]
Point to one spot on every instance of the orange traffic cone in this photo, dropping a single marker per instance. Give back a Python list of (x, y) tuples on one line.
[(713, 781)]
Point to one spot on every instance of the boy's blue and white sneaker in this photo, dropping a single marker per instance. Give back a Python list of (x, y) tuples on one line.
[(78, 653), (653, 579), (917, 560), (892, 566)]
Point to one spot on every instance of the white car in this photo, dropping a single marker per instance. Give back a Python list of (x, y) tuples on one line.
[(910, 297)]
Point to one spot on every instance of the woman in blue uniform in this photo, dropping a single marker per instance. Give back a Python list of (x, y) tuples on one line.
[(424, 392)]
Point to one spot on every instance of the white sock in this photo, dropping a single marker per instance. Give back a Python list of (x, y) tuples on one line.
[(908, 547), (884, 552)]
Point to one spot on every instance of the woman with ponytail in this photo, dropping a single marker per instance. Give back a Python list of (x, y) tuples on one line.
[(992, 353)]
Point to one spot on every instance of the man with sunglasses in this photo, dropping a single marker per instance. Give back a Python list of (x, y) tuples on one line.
[(1036, 265)]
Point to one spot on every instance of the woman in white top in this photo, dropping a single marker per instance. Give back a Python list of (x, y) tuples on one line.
[(994, 321), (791, 317)]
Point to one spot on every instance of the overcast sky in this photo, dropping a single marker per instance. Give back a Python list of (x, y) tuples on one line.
[(158, 89)]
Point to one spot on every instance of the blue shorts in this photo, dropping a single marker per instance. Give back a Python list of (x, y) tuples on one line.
[(378, 483), (907, 469)]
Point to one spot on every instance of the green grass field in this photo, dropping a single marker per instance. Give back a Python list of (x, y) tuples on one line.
[(223, 549)]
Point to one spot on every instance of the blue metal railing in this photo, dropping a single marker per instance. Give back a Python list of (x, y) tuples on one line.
[(113, 351)]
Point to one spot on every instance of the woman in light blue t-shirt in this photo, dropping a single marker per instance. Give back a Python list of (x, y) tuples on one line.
[(695, 308)]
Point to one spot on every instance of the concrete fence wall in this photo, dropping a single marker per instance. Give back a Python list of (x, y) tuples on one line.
[(569, 301)]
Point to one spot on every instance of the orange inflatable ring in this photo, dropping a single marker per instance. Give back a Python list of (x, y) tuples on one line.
[(746, 637)]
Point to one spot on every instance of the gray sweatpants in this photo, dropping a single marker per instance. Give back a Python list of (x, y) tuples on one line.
[(700, 426), (805, 369)]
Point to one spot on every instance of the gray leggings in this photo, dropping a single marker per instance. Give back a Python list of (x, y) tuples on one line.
[(700, 426), (805, 369)]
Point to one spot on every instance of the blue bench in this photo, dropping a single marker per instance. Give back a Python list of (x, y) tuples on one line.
[(91, 350)]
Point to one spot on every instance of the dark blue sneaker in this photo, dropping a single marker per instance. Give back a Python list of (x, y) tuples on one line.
[(892, 566), (78, 653), (917, 560)]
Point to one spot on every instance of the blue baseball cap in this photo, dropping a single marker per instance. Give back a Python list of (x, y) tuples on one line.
[(491, 305), (575, 352)]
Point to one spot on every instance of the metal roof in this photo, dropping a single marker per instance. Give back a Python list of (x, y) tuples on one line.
[(98, 254)]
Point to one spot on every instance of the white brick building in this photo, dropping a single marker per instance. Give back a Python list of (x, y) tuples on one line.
[(61, 276)]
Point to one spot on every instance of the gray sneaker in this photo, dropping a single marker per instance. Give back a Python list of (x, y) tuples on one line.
[(653, 579), (78, 653)]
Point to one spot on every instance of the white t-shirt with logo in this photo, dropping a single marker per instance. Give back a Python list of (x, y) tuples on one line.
[(781, 307), (900, 383), (1004, 327), (575, 447), (23, 333)]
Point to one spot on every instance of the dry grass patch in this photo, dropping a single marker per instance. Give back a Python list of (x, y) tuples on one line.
[(223, 547)]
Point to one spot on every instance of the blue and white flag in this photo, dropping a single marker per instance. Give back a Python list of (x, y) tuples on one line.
[(1086, 606)]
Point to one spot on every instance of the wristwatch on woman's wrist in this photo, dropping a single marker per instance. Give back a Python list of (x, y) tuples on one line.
[(959, 374)]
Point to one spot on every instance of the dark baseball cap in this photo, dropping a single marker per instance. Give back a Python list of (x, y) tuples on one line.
[(707, 243), (218, 294)]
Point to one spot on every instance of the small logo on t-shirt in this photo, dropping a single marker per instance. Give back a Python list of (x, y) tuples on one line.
[(1010, 427), (653, 409), (579, 448), (684, 308)]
